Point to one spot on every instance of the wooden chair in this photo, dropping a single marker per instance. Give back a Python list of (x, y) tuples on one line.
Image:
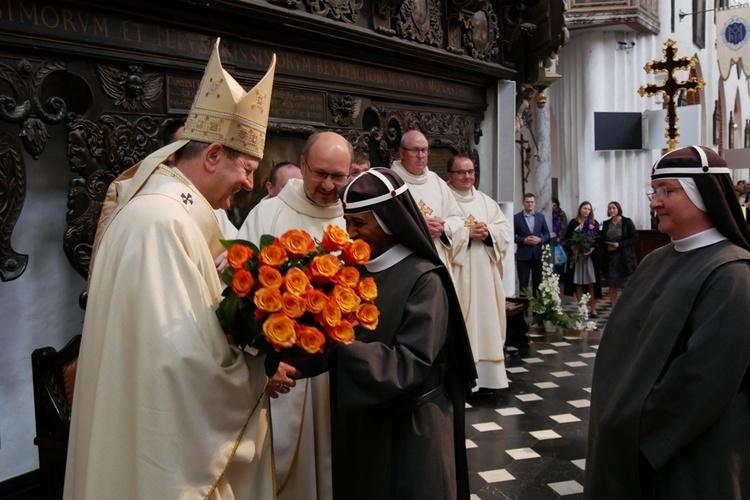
[(54, 374)]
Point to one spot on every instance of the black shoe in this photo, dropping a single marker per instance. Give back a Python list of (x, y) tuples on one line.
[(594, 316)]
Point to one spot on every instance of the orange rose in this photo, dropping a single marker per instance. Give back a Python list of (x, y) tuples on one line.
[(368, 315), (324, 267), (315, 301), (272, 255), (242, 282), (292, 305), (367, 289), (238, 255), (330, 315), (348, 276), (342, 333), (345, 298), (297, 243), (296, 282), (334, 238), (270, 276), (279, 330), (268, 299), (310, 339), (356, 252)]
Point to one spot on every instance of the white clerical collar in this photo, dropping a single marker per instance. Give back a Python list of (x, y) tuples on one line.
[(388, 259), (461, 195), (407, 176), (699, 240)]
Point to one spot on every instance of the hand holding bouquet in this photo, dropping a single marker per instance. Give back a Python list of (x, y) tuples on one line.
[(295, 294), (583, 239)]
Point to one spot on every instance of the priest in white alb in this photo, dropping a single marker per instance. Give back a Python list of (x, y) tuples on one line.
[(302, 419), (478, 272), (435, 201)]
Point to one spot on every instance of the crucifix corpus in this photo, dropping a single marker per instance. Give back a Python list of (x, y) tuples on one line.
[(671, 87)]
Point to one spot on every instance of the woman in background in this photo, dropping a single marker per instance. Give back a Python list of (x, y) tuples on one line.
[(559, 225), (618, 235), (583, 263)]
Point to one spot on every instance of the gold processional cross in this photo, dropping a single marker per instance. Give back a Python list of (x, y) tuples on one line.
[(671, 87)]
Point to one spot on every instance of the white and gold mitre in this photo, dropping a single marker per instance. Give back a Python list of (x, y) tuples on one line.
[(223, 112)]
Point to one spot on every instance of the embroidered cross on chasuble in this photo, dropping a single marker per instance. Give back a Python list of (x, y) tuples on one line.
[(426, 211), (671, 87), (470, 221)]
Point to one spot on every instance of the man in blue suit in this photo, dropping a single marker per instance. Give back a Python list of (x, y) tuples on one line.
[(531, 233)]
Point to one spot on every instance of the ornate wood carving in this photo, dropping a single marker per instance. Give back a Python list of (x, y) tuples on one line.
[(481, 34), (289, 4), (383, 11), (98, 153), (131, 89), (449, 130), (26, 106), (420, 20), (341, 10), (12, 195), (345, 109)]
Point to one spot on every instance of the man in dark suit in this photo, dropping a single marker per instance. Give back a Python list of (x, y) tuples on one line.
[(531, 233)]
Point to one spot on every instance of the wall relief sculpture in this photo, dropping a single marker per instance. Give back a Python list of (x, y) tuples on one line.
[(345, 110), (98, 152), (340, 10), (421, 21), (12, 195), (26, 107), (132, 89)]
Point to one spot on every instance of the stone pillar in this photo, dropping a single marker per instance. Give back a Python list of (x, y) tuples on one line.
[(543, 163)]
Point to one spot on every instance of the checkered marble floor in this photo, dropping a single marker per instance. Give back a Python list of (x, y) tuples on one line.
[(528, 441)]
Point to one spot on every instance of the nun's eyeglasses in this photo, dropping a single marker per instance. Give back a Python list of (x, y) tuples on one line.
[(661, 193)]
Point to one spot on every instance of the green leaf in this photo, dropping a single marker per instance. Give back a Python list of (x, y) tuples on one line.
[(266, 240)]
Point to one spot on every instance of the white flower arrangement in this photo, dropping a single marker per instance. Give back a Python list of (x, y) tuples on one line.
[(547, 306)]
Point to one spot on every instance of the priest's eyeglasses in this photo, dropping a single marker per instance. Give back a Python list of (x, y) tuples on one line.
[(661, 193), (418, 151), (462, 173), (320, 175)]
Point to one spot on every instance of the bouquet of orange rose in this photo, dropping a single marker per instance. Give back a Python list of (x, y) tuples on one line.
[(295, 294)]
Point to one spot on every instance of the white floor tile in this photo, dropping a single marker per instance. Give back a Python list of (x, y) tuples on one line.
[(516, 369), (565, 418), (546, 385), (576, 364), (561, 374), (545, 434), (522, 453), (587, 389), (581, 464), (559, 344), (547, 351), (566, 488), (529, 397), (580, 403), (487, 426), (470, 444), (496, 476), (532, 360), (587, 354), (507, 412)]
